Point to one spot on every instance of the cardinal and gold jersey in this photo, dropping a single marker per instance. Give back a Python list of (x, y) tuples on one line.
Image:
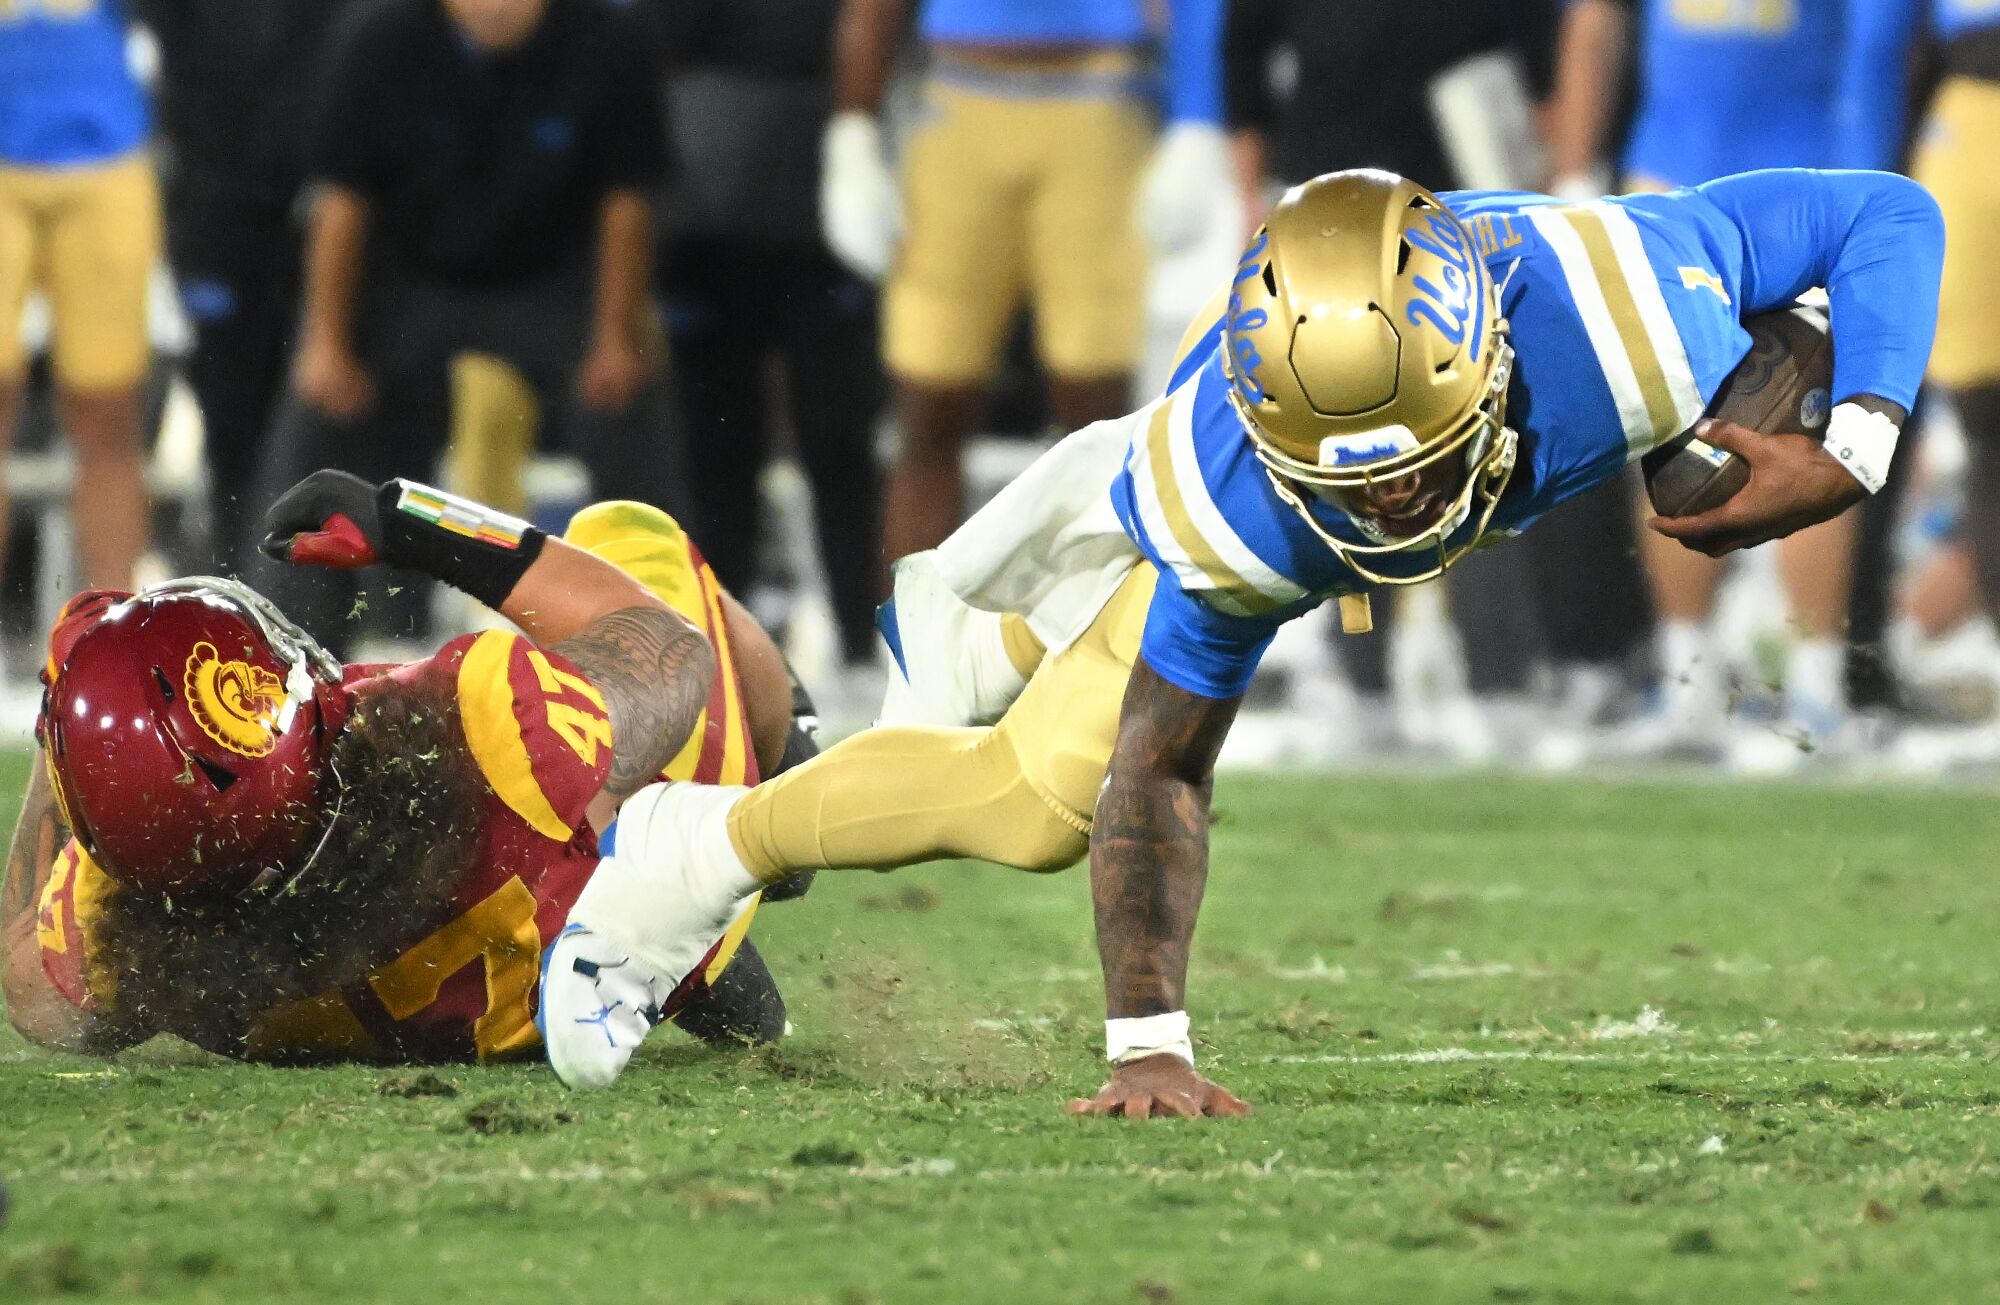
[(539, 734)]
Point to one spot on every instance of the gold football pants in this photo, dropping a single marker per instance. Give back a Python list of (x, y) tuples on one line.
[(1019, 793), (1954, 160), (88, 237)]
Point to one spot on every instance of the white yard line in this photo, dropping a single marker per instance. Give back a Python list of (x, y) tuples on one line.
[(1464, 1055)]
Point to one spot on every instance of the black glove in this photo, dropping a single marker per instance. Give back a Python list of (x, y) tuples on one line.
[(330, 518), (335, 519)]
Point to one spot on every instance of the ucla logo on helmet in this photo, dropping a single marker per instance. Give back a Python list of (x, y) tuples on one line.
[(1243, 355), (1446, 308)]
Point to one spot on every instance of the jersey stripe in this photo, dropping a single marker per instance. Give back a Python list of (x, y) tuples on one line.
[(1267, 588), (1665, 336), (1621, 306), (732, 939), (486, 698), (1211, 575), (1185, 525), (731, 715)]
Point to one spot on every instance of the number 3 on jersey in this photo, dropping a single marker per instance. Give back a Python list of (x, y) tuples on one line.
[(585, 728)]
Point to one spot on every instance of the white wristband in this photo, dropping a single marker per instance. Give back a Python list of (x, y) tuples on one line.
[(1864, 442), (1149, 1035)]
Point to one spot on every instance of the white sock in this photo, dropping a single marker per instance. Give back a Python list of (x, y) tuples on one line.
[(673, 881), (1816, 678), (1690, 673)]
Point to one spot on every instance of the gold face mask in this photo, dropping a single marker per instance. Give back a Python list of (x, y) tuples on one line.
[(1487, 447)]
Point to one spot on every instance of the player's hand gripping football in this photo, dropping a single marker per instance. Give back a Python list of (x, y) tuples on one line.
[(1794, 483), (330, 518), (1162, 1084)]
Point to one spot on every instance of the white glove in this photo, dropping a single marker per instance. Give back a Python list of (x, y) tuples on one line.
[(860, 210), (1190, 167)]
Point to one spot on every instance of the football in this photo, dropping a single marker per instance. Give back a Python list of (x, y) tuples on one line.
[(1782, 386)]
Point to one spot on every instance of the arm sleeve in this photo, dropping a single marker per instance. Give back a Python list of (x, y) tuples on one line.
[(631, 128), (1194, 61), (1192, 646), (1874, 66), (1874, 240), (1247, 40)]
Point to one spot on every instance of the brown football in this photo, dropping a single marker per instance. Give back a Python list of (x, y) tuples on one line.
[(1782, 386)]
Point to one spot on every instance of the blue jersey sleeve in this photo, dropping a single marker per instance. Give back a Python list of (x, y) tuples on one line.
[(1873, 239), (1194, 61), (1875, 48), (1194, 647)]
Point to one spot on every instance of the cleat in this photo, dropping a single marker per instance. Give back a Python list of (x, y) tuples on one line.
[(597, 1005), (642, 931)]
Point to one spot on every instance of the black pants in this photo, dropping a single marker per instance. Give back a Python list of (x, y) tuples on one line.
[(734, 309), (1590, 593), (236, 259), (406, 335)]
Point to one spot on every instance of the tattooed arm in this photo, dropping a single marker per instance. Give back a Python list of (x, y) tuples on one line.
[(35, 1007), (1148, 867), (654, 670), (652, 666)]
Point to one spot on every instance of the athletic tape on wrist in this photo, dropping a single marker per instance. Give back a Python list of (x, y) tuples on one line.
[(1864, 442), (465, 544), (1127, 1040)]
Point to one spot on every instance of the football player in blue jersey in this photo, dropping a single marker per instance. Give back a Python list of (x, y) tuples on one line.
[(1782, 85), (80, 221), (1391, 380)]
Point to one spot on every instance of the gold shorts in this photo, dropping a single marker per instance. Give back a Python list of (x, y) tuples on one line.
[(1021, 183), (1065, 722), (1955, 162), (88, 238)]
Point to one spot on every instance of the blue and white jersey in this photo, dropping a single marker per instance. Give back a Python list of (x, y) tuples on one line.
[(1625, 316), (1728, 86)]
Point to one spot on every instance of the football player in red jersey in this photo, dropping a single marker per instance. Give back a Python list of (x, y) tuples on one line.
[(231, 837)]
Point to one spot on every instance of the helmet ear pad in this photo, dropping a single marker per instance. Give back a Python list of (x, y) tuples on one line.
[(177, 747)]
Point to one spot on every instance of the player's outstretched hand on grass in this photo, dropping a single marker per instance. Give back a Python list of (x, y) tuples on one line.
[(1163, 1084), (1794, 483)]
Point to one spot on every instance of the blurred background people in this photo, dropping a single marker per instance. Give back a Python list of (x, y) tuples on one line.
[(1955, 158), (771, 335), (1781, 84), (484, 172), (233, 98), (80, 222), (1028, 172)]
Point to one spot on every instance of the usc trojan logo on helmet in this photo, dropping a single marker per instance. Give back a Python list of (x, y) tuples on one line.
[(236, 704)]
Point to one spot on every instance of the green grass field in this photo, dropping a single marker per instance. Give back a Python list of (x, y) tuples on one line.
[(1508, 1041)]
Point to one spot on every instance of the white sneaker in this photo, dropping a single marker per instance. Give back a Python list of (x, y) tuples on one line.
[(668, 888), (597, 1006), (1804, 737), (1936, 749), (1660, 735)]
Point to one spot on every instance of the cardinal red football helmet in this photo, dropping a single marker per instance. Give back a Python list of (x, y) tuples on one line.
[(186, 732)]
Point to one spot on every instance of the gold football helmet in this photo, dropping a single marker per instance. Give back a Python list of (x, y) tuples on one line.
[(1367, 356)]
